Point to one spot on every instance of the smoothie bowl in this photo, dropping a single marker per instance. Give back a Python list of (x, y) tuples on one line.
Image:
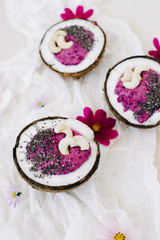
[(56, 154), (132, 91), (73, 47)]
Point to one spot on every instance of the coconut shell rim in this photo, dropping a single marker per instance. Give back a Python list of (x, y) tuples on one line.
[(112, 109), (47, 188), (86, 70)]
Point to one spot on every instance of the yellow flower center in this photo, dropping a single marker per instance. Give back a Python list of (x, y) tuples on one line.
[(119, 236), (39, 103), (13, 194), (96, 127)]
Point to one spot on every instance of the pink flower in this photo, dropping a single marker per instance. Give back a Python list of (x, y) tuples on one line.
[(13, 195), (79, 13), (111, 230), (39, 103), (155, 53), (100, 124)]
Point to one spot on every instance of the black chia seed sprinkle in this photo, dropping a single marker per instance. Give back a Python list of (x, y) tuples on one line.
[(43, 153), (152, 103), (84, 37)]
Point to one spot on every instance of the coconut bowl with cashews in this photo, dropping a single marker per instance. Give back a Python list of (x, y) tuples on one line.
[(56, 154), (132, 91), (73, 47)]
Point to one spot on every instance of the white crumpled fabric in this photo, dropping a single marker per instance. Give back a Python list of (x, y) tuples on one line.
[(125, 183)]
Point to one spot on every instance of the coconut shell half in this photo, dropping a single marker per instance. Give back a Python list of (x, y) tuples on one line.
[(86, 34), (139, 107), (26, 145)]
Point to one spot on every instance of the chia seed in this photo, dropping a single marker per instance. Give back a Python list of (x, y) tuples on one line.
[(83, 41), (83, 37), (144, 100), (43, 153)]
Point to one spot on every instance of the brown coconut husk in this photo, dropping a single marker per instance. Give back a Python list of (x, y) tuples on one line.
[(44, 187), (113, 110), (76, 75)]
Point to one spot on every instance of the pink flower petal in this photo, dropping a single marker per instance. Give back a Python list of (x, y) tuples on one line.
[(110, 228), (88, 114), (100, 116), (68, 14), (104, 232), (126, 226), (106, 133), (110, 224), (10, 202), (156, 44), (12, 187), (15, 202), (128, 229), (84, 120), (88, 14), (104, 136), (108, 123), (64, 16), (80, 12), (43, 99), (35, 106), (111, 133), (102, 139), (154, 54)]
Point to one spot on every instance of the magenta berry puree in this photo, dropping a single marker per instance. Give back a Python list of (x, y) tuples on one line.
[(43, 153)]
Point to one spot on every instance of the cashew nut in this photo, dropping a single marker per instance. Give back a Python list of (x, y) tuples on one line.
[(127, 75), (58, 33), (80, 141), (62, 128), (136, 77), (53, 48), (141, 68), (76, 141), (61, 42), (58, 42), (64, 145), (69, 140)]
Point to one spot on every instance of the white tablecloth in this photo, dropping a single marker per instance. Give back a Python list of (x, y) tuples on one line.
[(125, 183)]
